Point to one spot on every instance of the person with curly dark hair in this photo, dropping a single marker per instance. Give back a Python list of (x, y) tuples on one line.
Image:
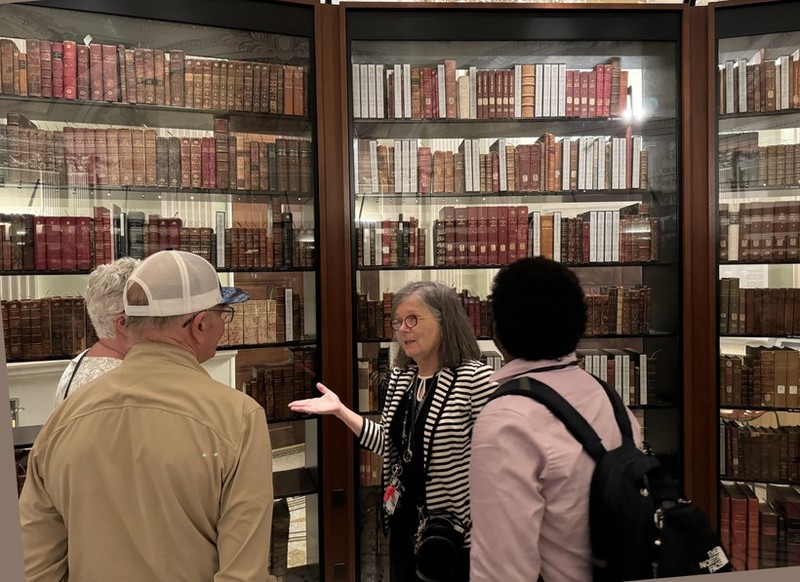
[(435, 391), (529, 477)]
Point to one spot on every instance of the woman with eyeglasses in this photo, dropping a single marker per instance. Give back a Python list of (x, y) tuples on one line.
[(436, 389)]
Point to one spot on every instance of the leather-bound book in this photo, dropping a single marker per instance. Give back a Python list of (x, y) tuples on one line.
[(69, 239), (150, 162), (306, 167), (140, 74), (57, 62), (177, 68), (186, 162), (83, 75), (162, 162), (131, 77), (125, 156), (69, 62), (96, 144), (83, 244), (208, 177), (158, 77), (95, 71), (22, 73), (149, 77), (39, 243), (206, 74), (233, 171), (196, 162), (46, 67), (173, 162), (281, 154), (197, 82), (122, 74), (223, 85), (53, 243), (34, 68), (216, 84), (112, 155), (263, 167), (138, 151), (293, 164)]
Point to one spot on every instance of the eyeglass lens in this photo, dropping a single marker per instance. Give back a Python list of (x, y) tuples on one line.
[(409, 320)]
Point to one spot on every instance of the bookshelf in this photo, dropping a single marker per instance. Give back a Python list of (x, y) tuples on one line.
[(757, 175), (481, 136), (128, 130)]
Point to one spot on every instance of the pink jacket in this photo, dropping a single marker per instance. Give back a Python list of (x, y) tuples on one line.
[(529, 479)]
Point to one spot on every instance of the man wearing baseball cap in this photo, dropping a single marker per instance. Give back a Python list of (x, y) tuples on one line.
[(155, 471)]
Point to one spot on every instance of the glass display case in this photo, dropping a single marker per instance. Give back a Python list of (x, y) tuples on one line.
[(758, 212), (482, 136), (128, 130)]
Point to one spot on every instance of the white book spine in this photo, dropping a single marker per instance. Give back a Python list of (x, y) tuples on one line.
[(287, 314), (562, 90), (407, 90), (557, 236), (729, 96), (372, 101), (643, 379), (538, 90), (442, 91), (600, 150), (546, 90), (221, 225), (373, 165), (517, 91), (593, 236), (565, 164), (414, 155), (468, 164), (356, 88), (398, 166), (609, 236), (536, 234), (615, 236), (398, 90), (380, 100), (476, 164), (473, 93), (364, 91), (501, 145), (741, 70)]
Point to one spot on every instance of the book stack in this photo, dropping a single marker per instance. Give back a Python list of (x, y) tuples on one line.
[(66, 69), (755, 311), (760, 84), (529, 90), (546, 164), (275, 386), (631, 373), (766, 376)]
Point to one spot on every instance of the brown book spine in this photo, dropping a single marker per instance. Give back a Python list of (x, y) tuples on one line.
[(216, 84), (122, 74), (140, 75), (195, 162), (206, 83), (158, 77), (174, 162), (57, 58), (138, 151), (131, 76), (177, 68), (95, 71), (149, 77), (150, 170), (162, 161)]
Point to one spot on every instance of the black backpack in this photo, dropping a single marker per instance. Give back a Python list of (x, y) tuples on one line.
[(640, 526)]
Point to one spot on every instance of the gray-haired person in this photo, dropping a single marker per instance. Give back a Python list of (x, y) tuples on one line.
[(104, 306), (435, 391)]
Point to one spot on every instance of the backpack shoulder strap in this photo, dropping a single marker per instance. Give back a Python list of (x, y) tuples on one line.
[(620, 413), (561, 409)]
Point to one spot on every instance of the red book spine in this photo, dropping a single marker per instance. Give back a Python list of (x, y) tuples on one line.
[(96, 71), (83, 242), (70, 62), (83, 82), (53, 235), (40, 243), (110, 83), (68, 243), (46, 65), (57, 55)]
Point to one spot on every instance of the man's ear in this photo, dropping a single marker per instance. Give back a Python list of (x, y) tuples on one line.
[(119, 323)]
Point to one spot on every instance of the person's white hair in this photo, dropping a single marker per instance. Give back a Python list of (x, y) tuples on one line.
[(103, 294)]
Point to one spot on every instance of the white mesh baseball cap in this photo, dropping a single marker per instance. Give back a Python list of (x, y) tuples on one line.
[(178, 283)]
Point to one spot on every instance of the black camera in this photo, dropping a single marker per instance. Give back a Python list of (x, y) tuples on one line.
[(439, 550)]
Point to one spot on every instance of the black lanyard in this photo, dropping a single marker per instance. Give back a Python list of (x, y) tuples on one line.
[(412, 416)]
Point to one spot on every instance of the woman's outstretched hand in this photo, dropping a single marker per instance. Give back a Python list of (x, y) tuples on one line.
[(328, 403)]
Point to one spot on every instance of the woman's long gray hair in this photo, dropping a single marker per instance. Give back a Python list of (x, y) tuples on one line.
[(458, 339)]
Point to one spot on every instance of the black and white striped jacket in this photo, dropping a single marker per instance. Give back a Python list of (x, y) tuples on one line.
[(450, 420)]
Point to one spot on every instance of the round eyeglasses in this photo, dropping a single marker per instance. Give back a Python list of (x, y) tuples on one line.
[(409, 320)]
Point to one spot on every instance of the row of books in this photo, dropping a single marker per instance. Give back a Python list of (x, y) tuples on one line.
[(370, 466), (618, 310), (372, 377), (374, 316), (275, 386), (771, 312), (631, 373), (760, 232), (529, 90), (760, 84), (548, 164), (70, 70), (760, 533), (765, 376), (58, 327), (745, 164), (760, 453), (499, 235), (68, 243), (267, 321), (162, 158), (46, 328)]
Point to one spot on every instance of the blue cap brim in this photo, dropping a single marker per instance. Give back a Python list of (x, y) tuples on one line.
[(233, 295)]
